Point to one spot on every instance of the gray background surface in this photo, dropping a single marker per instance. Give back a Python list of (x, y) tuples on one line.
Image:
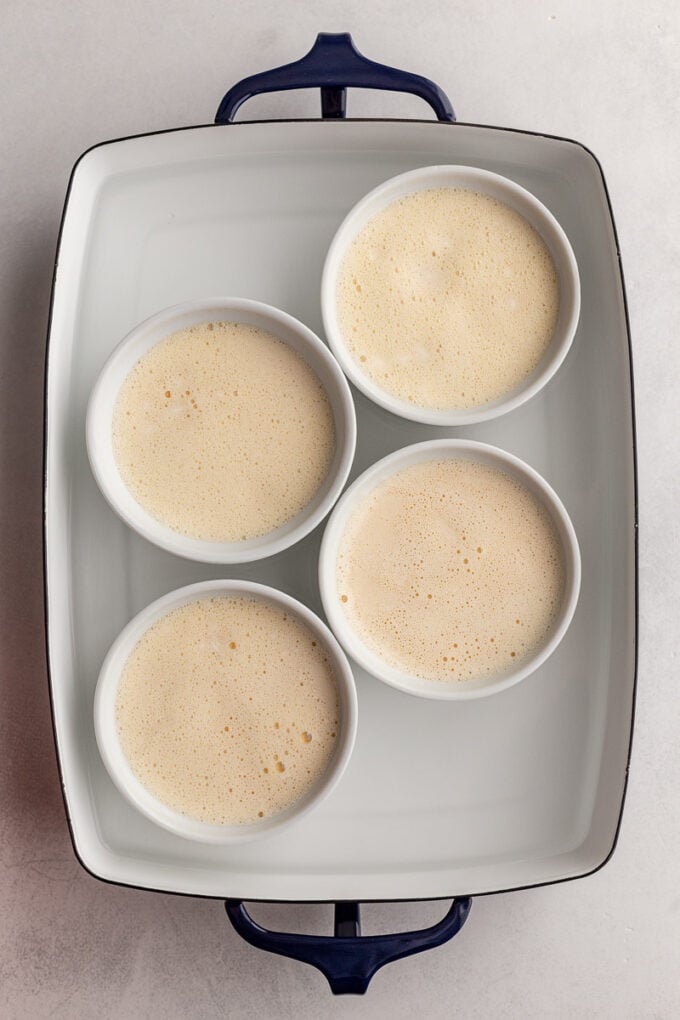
[(73, 74)]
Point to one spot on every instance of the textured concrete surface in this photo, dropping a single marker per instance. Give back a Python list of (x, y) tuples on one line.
[(76, 73)]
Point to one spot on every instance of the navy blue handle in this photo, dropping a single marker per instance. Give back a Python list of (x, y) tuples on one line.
[(333, 64), (347, 959)]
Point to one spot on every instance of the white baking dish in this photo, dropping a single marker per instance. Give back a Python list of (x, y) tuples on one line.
[(439, 799)]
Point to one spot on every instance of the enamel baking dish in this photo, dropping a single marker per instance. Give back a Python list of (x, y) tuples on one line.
[(440, 799)]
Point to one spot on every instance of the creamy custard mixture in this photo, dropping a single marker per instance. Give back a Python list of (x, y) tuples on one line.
[(222, 432), (447, 298), (450, 570), (228, 710)]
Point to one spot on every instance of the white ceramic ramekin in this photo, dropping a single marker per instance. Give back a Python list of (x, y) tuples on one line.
[(117, 765), (440, 449), (524, 203), (149, 333)]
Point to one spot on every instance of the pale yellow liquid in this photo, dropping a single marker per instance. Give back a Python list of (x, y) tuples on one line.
[(450, 570), (447, 299), (223, 432), (227, 710)]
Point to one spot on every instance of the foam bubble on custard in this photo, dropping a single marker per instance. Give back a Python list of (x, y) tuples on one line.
[(227, 710), (447, 298), (450, 570), (223, 432)]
